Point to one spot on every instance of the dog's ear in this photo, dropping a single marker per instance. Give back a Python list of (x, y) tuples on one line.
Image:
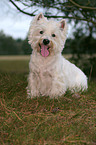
[(62, 24), (40, 16)]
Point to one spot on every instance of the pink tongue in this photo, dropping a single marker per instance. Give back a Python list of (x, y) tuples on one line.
[(44, 50)]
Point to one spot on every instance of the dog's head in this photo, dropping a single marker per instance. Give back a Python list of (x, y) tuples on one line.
[(47, 37)]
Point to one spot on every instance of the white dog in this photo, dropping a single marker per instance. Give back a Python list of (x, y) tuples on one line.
[(50, 73)]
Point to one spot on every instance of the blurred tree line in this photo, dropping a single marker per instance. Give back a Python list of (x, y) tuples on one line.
[(79, 44), (11, 46)]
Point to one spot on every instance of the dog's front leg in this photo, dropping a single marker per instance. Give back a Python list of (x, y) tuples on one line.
[(58, 88), (33, 85)]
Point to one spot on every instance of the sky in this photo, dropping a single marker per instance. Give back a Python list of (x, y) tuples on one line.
[(13, 22)]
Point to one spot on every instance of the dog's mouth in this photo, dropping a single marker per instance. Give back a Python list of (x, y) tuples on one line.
[(44, 50)]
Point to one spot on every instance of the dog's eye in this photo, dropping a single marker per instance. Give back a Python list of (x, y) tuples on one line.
[(53, 35), (41, 32)]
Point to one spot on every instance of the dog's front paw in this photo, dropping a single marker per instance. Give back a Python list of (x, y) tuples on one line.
[(32, 93), (55, 92)]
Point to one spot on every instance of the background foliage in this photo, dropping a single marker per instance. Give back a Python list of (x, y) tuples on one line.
[(10, 46)]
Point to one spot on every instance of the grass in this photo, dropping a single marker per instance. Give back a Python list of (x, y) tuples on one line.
[(68, 120), (14, 64)]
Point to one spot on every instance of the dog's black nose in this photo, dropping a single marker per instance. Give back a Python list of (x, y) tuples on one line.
[(46, 41)]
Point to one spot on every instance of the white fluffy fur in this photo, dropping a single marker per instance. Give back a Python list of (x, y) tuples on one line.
[(52, 75)]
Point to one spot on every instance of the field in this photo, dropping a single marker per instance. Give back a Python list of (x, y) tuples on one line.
[(69, 120)]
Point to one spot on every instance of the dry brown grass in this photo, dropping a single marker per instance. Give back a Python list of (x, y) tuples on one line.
[(67, 120)]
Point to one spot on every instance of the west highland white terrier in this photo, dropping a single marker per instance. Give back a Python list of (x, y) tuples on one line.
[(50, 73)]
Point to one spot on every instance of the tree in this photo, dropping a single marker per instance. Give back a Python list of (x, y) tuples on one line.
[(7, 45), (72, 9), (10, 46), (26, 47), (81, 11)]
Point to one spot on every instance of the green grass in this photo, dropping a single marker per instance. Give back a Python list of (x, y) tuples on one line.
[(68, 120), (14, 63)]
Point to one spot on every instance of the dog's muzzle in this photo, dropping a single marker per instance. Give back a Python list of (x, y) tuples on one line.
[(44, 48)]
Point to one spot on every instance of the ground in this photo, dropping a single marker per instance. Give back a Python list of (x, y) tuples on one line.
[(70, 119)]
